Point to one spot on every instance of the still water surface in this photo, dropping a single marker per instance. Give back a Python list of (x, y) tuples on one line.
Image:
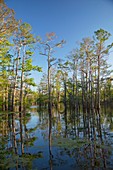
[(72, 142)]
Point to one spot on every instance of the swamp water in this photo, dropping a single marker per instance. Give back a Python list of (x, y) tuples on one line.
[(67, 142)]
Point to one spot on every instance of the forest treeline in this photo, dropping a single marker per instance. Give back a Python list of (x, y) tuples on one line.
[(81, 81), (17, 45)]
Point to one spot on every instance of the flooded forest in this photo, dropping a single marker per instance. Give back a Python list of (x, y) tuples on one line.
[(66, 123)]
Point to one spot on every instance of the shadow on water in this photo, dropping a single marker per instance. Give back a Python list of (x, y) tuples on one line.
[(68, 141)]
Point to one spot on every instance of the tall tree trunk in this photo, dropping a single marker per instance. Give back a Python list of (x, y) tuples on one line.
[(15, 81), (76, 74), (6, 98), (98, 85), (65, 95), (49, 86), (22, 81)]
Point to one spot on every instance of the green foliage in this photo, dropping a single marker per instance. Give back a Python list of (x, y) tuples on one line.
[(69, 143), (37, 68), (31, 140), (30, 81), (29, 67), (25, 27), (28, 52), (102, 35)]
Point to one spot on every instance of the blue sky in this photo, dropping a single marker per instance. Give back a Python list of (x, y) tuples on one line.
[(71, 20)]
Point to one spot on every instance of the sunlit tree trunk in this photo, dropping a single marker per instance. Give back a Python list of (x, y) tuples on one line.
[(98, 84), (22, 82), (49, 85), (65, 94), (15, 81)]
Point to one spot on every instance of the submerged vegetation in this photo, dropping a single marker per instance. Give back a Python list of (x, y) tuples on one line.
[(73, 117)]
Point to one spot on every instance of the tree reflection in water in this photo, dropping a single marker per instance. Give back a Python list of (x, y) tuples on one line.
[(70, 141)]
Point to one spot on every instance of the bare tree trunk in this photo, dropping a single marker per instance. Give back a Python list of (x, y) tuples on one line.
[(6, 98), (49, 86), (3, 101), (65, 96), (98, 85), (22, 81), (15, 81), (76, 74)]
